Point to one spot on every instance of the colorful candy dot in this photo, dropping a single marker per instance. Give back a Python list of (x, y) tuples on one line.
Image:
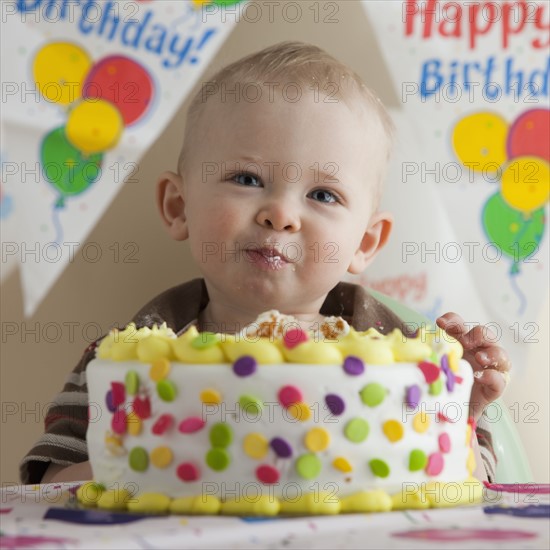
[(118, 392), (430, 371), (142, 407), (191, 425), (435, 464), (250, 404), (161, 457), (221, 435), (133, 423), (436, 387), (294, 337), (421, 422), (132, 382), (393, 430), (118, 422), (373, 394), (471, 462), (353, 365), (163, 423), (299, 411), (281, 447), (342, 464), (412, 397), (450, 381), (317, 439), (167, 390), (245, 366), (110, 402), (444, 442), (205, 340), (357, 430), (160, 369), (308, 466), (288, 395), (218, 459), (417, 460), (379, 468), (138, 459), (255, 445), (335, 404), (187, 471), (267, 474), (210, 397)]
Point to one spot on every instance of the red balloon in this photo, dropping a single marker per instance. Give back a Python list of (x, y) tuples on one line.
[(529, 135), (123, 82)]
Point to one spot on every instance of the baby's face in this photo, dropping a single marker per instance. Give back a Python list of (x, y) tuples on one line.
[(278, 197)]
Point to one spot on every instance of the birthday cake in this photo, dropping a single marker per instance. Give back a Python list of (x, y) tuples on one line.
[(278, 420)]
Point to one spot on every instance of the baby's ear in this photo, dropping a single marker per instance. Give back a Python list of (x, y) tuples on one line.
[(374, 239), (171, 205)]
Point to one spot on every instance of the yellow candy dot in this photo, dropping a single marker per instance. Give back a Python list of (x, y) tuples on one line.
[(317, 439), (161, 457), (114, 499), (421, 422), (471, 462), (211, 397), (151, 503), (133, 423), (393, 430), (453, 361), (300, 411), (342, 464), (468, 434), (255, 445), (160, 368)]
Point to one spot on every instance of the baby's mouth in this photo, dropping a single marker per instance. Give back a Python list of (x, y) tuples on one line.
[(267, 257)]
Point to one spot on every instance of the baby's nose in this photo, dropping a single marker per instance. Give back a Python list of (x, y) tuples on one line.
[(279, 217)]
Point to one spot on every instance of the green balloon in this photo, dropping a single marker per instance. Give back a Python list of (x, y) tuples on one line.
[(226, 2), (65, 167), (518, 236)]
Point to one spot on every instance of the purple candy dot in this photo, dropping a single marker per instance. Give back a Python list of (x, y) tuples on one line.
[(413, 395), (353, 365), (109, 401), (450, 380), (281, 448), (335, 404), (445, 364), (245, 366)]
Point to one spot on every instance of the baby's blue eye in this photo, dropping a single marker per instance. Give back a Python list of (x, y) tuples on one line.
[(247, 180), (322, 195)]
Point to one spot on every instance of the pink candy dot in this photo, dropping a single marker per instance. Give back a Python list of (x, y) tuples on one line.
[(294, 336), (188, 472), (444, 443), (142, 407), (435, 464), (118, 422), (267, 474), (429, 370), (191, 425), (163, 424), (118, 394), (288, 395)]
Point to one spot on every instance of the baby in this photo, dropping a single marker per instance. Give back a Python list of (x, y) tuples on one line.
[(277, 191)]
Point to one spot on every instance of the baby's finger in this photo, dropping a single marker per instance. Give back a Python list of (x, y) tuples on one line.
[(452, 324), (479, 337), (493, 382), (493, 357)]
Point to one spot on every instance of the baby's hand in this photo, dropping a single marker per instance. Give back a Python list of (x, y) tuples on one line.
[(490, 362)]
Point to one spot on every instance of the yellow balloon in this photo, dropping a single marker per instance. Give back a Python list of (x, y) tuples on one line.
[(526, 183), (59, 70), (94, 126), (479, 142)]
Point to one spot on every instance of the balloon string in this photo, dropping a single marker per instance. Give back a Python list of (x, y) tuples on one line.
[(57, 224), (519, 293)]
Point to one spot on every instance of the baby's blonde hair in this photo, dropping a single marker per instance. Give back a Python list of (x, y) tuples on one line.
[(299, 63)]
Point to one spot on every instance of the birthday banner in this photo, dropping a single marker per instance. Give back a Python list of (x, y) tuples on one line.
[(471, 177), (86, 88)]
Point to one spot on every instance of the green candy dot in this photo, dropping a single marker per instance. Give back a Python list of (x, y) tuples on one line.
[(417, 460), (167, 390), (250, 404), (434, 358), (138, 459), (204, 340), (436, 387), (373, 394), (218, 459), (357, 430), (308, 466), (379, 468), (132, 382), (221, 435)]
